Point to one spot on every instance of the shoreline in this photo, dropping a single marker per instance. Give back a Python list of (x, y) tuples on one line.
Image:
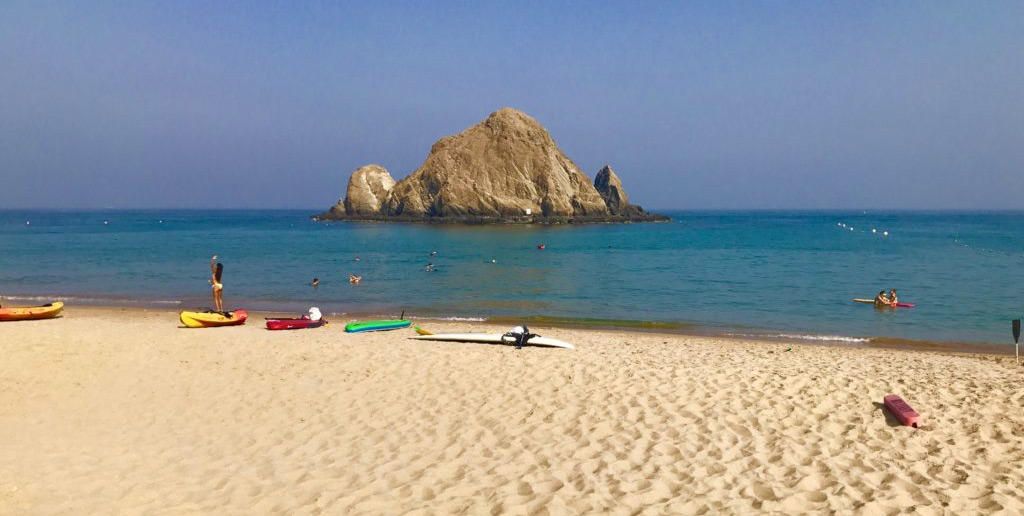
[(587, 324), (120, 410)]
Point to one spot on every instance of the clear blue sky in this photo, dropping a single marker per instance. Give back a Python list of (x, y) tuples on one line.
[(702, 105)]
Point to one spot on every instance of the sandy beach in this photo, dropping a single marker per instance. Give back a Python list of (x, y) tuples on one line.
[(121, 411)]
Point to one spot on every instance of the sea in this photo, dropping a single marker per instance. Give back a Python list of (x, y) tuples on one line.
[(788, 275)]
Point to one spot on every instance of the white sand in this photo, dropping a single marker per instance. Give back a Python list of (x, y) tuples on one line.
[(103, 414)]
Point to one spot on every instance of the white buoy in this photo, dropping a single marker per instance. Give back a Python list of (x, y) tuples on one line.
[(851, 228), (885, 233), (873, 230), (28, 223), (105, 222)]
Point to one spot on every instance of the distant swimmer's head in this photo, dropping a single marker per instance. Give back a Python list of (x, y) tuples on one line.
[(882, 293), (218, 272)]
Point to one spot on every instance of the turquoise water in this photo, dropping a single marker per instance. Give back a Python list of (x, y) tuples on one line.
[(773, 273)]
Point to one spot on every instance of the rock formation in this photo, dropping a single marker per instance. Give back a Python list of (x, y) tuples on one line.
[(504, 169), (367, 189), (610, 187)]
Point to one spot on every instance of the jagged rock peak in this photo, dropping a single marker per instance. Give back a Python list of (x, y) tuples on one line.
[(512, 121), (506, 166), (610, 188), (367, 189)]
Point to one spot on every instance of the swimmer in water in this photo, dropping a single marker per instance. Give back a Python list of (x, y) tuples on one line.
[(315, 283), (892, 297), (881, 300), (353, 279)]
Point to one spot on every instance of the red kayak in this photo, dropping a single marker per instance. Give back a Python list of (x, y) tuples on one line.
[(294, 324), (899, 408)]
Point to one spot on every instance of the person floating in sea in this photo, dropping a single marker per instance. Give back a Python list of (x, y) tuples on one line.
[(353, 279), (216, 274), (881, 300), (892, 297), (315, 283), (357, 257), (430, 267), (433, 254)]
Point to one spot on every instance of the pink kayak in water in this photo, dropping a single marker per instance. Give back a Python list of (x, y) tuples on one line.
[(872, 301)]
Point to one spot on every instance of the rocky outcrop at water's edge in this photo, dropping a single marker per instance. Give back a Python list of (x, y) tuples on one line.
[(506, 169)]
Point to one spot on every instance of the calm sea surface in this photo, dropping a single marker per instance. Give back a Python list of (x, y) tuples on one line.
[(769, 273)]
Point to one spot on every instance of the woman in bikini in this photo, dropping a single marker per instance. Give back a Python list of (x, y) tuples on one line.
[(216, 273)]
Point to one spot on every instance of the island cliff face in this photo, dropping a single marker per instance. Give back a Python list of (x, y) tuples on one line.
[(504, 169)]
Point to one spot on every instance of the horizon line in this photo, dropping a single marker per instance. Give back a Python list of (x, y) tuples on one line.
[(314, 211)]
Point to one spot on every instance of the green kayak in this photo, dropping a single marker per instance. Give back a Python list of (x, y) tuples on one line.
[(393, 324)]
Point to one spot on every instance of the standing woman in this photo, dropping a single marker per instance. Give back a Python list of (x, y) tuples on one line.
[(216, 272)]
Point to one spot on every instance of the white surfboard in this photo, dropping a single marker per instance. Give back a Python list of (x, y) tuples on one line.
[(494, 338)]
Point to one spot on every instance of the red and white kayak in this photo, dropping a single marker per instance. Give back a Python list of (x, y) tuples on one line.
[(294, 324), (899, 408)]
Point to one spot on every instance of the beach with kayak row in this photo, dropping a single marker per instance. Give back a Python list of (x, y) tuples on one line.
[(123, 410)]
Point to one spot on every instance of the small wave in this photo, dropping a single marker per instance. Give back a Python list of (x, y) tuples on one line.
[(93, 299), (836, 338), (588, 322), (411, 315), (798, 336)]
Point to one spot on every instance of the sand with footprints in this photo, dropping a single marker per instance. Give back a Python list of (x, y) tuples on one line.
[(120, 411)]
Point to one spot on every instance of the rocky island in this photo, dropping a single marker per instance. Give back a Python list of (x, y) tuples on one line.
[(506, 169)]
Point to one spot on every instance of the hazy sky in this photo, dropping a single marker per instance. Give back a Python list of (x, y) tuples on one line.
[(705, 105)]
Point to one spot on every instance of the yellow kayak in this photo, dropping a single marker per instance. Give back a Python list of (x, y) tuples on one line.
[(211, 319), (48, 311)]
